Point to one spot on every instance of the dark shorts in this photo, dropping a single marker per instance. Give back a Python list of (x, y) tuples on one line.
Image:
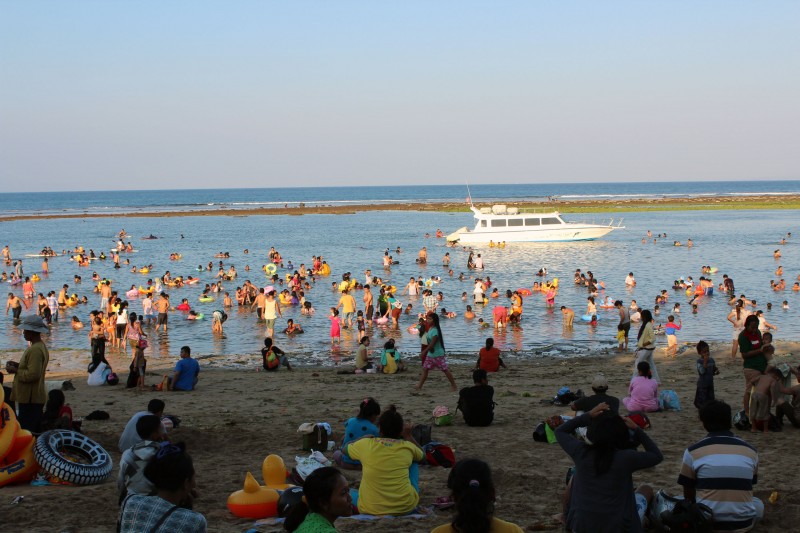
[(370, 310), (162, 318), (626, 327), (120, 330)]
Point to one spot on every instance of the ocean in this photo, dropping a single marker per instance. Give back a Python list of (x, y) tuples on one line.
[(104, 202), (739, 243)]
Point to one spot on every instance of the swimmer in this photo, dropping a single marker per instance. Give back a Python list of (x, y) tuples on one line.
[(776, 254), (569, 316), (469, 314)]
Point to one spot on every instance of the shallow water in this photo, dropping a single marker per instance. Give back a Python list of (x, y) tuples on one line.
[(739, 243)]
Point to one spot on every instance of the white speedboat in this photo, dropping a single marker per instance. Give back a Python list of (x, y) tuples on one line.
[(510, 224)]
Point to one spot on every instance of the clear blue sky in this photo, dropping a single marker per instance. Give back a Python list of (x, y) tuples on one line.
[(171, 94)]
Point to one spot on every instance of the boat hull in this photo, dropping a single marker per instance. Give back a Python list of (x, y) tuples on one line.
[(563, 233)]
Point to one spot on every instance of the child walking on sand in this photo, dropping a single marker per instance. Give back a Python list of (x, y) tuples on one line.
[(706, 370), (672, 340), (335, 326)]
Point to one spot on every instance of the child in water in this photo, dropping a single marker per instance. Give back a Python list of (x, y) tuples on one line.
[(335, 327)]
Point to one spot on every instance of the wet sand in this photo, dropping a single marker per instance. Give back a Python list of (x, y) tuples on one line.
[(614, 205), (236, 417)]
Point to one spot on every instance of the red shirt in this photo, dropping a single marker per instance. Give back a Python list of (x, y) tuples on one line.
[(490, 359)]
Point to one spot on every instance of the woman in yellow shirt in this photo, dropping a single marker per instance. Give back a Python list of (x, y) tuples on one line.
[(390, 479), (470, 483)]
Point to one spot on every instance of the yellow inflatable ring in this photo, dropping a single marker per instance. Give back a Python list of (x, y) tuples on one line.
[(270, 269)]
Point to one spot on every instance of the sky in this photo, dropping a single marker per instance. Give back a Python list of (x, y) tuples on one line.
[(99, 95)]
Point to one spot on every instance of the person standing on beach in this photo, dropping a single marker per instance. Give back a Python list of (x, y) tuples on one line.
[(569, 316), (272, 310), (162, 306), (646, 344), (29, 388), (434, 353), (737, 317)]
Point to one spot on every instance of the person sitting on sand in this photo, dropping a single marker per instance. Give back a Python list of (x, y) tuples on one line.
[(57, 414), (489, 357), (390, 479), (643, 391), (326, 497), (363, 361), (390, 359), (131, 479), (362, 425), (600, 494), (476, 403), (600, 389), (470, 483), (172, 472), (704, 479), (185, 375), (273, 357), (129, 435)]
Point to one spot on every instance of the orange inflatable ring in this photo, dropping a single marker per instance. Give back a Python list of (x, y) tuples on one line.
[(524, 292)]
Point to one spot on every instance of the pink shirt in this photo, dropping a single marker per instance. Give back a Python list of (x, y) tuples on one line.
[(334, 326), (643, 395)]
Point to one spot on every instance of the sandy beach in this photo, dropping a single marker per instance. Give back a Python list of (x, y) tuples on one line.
[(236, 417), (615, 205)]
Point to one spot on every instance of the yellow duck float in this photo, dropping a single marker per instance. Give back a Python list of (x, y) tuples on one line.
[(260, 501)]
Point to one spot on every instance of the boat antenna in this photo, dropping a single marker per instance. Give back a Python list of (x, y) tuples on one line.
[(469, 196)]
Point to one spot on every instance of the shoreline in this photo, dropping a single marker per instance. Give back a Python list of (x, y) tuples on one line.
[(607, 206)]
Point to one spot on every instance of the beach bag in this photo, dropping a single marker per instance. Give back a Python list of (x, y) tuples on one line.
[(540, 433), (421, 434), (566, 396), (741, 421), (668, 513), (315, 437), (668, 401), (391, 365), (640, 419), (550, 425), (442, 416), (438, 454), (271, 360), (143, 343)]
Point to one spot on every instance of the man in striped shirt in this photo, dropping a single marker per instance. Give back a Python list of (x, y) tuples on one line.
[(720, 470)]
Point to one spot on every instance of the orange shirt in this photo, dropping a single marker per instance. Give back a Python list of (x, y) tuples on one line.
[(490, 359)]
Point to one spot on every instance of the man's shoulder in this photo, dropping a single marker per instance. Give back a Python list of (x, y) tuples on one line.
[(720, 440)]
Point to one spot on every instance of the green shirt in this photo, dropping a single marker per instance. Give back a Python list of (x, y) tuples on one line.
[(758, 362), (315, 523), (434, 350)]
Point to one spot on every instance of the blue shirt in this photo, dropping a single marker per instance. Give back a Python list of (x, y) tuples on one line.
[(354, 429), (187, 374)]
